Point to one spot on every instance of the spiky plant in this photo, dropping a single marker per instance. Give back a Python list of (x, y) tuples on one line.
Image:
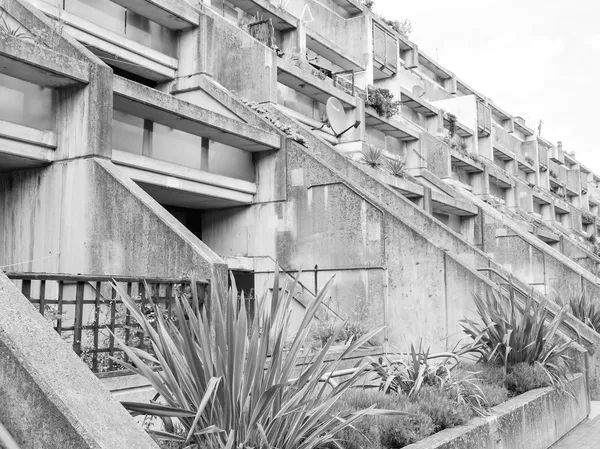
[(509, 333), (237, 382), (586, 310), (372, 156), (17, 32), (396, 167)]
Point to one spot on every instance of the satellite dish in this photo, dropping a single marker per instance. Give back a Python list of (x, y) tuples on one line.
[(418, 91), (336, 115)]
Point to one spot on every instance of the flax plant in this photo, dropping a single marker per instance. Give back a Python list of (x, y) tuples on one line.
[(510, 333), (236, 382)]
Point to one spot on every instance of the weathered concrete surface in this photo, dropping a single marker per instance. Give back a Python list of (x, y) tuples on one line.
[(236, 60), (48, 397), (84, 216), (534, 420), (386, 270)]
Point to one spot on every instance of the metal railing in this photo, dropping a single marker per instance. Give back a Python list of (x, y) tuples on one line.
[(87, 312)]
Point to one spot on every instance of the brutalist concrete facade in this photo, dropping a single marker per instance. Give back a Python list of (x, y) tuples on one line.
[(152, 137)]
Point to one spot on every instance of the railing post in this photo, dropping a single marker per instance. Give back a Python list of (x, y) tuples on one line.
[(59, 307), (113, 309), (26, 288), (42, 304), (96, 327), (78, 324)]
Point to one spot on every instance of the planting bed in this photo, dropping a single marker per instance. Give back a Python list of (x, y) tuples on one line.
[(533, 420)]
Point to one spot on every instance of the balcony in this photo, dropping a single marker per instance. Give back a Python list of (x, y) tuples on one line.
[(300, 77), (503, 153), (464, 162), (23, 147), (147, 103), (525, 165), (462, 130), (176, 185), (417, 104), (281, 19), (172, 14), (330, 51), (499, 177), (352, 7), (151, 55), (395, 126)]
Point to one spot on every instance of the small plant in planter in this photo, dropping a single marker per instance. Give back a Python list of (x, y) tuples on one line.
[(368, 3), (396, 167), (529, 160), (402, 27), (586, 310), (383, 101), (372, 156), (553, 174)]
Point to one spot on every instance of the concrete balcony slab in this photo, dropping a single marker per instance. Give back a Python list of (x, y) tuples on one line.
[(417, 104), (462, 130), (330, 51), (390, 126), (115, 49), (503, 153), (445, 204), (306, 83), (464, 162), (181, 186), (353, 7), (281, 19), (145, 102), (30, 61), (499, 177), (22, 147), (173, 14)]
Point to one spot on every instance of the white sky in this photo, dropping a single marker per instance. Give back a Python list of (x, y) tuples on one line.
[(536, 58)]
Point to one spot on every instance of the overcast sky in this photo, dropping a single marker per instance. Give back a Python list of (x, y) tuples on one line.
[(536, 58)]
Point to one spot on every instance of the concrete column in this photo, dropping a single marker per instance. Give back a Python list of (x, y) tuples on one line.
[(84, 117), (294, 41)]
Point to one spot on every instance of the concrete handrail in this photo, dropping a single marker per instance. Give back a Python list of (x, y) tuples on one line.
[(6, 439)]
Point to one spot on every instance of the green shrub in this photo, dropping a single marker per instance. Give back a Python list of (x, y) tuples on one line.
[(402, 431), (383, 101), (375, 432), (443, 410), (494, 394), (524, 377), (236, 382), (586, 310)]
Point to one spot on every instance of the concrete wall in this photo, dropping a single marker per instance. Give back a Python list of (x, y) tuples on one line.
[(386, 271), (49, 398), (536, 420), (237, 60), (83, 216)]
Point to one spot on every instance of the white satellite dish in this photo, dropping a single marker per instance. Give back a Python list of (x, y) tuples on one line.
[(418, 91), (336, 115)]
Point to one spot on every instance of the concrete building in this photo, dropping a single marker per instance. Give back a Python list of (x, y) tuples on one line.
[(152, 137)]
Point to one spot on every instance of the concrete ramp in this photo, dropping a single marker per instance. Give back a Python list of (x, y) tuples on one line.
[(48, 396)]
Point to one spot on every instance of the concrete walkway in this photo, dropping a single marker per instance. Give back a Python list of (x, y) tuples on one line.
[(586, 435)]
